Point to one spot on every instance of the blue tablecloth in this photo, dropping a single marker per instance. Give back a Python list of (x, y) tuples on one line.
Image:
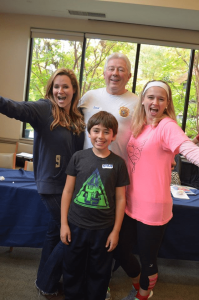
[(181, 239), (23, 216)]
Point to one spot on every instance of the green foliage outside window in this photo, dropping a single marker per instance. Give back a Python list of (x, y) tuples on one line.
[(96, 54), (168, 64), (192, 125), (49, 55), (156, 62)]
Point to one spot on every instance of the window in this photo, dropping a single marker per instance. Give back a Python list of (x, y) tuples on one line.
[(169, 64), (97, 51), (49, 54), (192, 125), (86, 54)]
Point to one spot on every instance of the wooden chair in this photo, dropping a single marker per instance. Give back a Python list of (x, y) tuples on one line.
[(28, 165), (7, 160), (22, 147)]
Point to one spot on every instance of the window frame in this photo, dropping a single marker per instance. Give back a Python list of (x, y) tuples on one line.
[(70, 35)]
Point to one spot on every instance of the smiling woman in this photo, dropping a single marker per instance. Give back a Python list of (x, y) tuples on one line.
[(58, 133), (156, 139), (155, 100), (155, 104), (63, 91)]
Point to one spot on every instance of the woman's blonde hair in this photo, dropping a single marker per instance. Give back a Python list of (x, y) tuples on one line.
[(139, 115), (74, 120)]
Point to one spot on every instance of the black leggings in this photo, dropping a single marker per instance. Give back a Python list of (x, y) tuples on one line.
[(148, 238)]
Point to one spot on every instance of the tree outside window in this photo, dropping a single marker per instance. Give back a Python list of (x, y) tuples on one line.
[(156, 62)]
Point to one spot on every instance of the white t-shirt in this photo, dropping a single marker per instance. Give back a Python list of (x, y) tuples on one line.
[(121, 106)]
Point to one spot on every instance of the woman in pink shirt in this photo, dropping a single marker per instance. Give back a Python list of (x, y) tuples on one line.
[(156, 139)]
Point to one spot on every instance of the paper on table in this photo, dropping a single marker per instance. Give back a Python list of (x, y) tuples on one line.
[(187, 189), (24, 154), (175, 193)]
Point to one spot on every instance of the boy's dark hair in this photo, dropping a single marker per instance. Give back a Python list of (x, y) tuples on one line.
[(105, 119)]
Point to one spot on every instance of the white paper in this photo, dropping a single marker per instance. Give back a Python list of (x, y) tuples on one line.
[(176, 194), (187, 189), (24, 154)]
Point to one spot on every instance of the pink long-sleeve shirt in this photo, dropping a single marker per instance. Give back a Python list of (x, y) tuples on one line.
[(150, 156)]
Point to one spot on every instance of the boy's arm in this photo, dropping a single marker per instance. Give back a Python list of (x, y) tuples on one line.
[(120, 202), (67, 194)]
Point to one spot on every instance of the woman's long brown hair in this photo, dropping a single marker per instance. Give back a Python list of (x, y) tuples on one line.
[(74, 120)]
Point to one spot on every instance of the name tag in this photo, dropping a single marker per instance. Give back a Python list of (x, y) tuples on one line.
[(106, 166)]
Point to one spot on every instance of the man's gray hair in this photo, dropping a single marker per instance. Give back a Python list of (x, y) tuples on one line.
[(118, 55)]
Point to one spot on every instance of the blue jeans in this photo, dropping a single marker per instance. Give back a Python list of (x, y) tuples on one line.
[(51, 263)]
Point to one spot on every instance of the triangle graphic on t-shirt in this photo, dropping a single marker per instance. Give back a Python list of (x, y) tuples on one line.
[(92, 194)]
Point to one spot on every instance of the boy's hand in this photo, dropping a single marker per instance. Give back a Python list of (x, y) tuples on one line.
[(65, 234), (112, 240)]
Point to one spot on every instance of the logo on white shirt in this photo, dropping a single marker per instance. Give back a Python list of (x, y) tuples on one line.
[(124, 111), (96, 107)]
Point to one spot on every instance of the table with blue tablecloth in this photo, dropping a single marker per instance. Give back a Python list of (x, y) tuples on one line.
[(23, 216), (189, 174), (181, 239)]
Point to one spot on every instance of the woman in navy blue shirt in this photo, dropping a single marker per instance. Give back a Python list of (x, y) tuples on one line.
[(58, 133)]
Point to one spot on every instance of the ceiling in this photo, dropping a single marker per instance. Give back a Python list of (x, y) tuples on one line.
[(164, 13)]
